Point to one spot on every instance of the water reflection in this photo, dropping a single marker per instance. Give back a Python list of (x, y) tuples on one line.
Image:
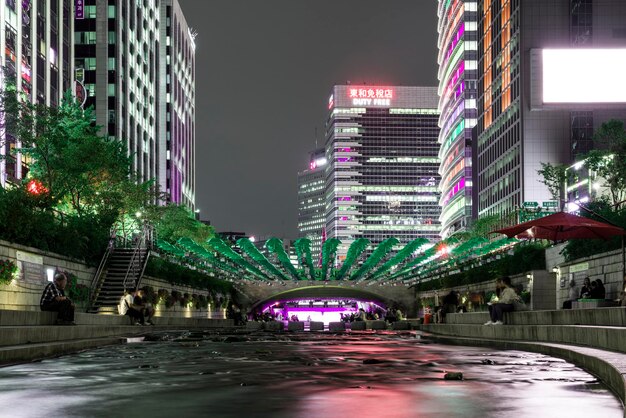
[(302, 376)]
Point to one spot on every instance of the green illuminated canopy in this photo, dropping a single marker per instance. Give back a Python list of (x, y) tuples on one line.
[(389, 262)]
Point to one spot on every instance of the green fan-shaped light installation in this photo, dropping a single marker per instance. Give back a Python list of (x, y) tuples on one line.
[(329, 249), (400, 256), (192, 246), (276, 246), (224, 249), (412, 267), (253, 252), (372, 261), (356, 249), (303, 250), (169, 248)]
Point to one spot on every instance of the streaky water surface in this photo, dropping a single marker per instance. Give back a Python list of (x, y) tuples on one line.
[(306, 375)]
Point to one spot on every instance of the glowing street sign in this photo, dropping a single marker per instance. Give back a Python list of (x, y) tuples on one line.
[(370, 96)]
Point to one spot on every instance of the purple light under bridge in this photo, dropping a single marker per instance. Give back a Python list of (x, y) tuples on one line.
[(321, 310)]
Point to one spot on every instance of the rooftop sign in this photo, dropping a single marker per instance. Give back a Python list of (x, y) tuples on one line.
[(370, 96)]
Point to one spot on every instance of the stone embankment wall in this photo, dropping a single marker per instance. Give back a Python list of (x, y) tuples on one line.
[(25, 290), (606, 267), (549, 288)]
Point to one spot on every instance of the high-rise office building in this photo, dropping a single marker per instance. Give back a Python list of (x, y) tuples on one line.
[(312, 201), (117, 44), (458, 64), (37, 39), (136, 61), (178, 110), (540, 92), (382, 175)]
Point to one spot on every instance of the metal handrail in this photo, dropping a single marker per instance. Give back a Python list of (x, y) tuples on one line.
[(103, 263), (137, 251)]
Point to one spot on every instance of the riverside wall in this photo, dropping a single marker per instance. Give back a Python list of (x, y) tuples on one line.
[(24, 292), (549, 288)]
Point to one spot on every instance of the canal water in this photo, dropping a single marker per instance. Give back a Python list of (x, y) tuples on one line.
[(306, 375)]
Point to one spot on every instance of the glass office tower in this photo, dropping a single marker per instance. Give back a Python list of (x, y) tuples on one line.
[(382, 174), (458, 63)]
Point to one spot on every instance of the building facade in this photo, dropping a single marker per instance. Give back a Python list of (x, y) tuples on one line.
[(382, 175), (136, 61), (312, 201), (458, 65), (520, 125), (178, 109), (37, 38)]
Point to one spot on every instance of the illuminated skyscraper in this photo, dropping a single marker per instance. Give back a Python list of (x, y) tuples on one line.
[(177, 110), (312, 202), (137, 62), (37, 39), (382, 177), (458, 63), (540, 93)]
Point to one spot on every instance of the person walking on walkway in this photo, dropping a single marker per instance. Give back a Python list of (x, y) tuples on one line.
[(53, 299), (505, 303)]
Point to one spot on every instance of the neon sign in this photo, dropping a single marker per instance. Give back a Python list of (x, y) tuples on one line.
[(369, 96), (371, 93)]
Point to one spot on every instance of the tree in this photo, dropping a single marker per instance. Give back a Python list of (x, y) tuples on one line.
[(79, 170), (609, 162), (173, 222), (554, 176)]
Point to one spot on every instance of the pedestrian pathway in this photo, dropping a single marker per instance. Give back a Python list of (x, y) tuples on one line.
[(31, 335)]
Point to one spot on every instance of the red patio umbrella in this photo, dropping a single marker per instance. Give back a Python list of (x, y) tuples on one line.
[(562, 226)]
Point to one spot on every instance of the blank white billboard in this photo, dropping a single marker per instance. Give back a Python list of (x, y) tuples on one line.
[(584, 75)]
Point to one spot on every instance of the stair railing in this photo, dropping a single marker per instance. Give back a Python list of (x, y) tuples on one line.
[(143, 242), (97, 278)]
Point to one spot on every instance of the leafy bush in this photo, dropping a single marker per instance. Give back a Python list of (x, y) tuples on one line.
[(35, 224), (7, 271), (579, 248), (76, 291), (162, 296), (184, 301), (202, 302), (177, 274), (524, 258), (150, 295)]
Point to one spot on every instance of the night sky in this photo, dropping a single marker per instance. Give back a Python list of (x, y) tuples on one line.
[(264, 70)]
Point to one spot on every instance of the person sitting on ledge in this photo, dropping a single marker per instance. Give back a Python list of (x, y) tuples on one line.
[(53, 299), (572, 295), (128, 308), (140, 305), (585, 291), (597, 289), (505, 303), (450, 304)]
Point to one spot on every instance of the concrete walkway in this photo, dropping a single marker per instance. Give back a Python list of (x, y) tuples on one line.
[(31, 335), (593, 339)]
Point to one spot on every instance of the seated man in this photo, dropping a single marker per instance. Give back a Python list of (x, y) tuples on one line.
[(126, 308), (54, 299), (140, 305)]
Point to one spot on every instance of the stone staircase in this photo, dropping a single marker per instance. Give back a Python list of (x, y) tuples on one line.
[(123, 269)]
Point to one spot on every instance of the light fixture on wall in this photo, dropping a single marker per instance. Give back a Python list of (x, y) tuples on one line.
[(50, 273)]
